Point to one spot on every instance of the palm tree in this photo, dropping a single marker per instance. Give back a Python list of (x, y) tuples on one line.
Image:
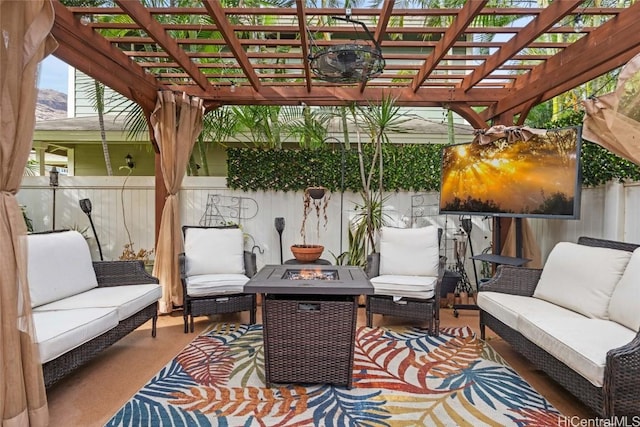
[(377, 121)]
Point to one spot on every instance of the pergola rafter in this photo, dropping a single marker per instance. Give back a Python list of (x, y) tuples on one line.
[(261, 55), (448, 40)]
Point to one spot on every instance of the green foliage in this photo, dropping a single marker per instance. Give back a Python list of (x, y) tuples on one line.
[(598, 164), (410, 167), (414, 167)]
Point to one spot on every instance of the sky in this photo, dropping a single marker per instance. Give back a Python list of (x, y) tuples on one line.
[(53, 74)]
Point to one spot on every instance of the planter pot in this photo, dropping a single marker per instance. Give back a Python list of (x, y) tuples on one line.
[(316, 192), (307, 253)]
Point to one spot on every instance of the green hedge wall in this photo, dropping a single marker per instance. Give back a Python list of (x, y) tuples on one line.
[(411, 167), (406, 167)]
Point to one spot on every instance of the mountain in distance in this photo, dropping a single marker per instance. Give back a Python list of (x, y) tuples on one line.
[(51, 105)]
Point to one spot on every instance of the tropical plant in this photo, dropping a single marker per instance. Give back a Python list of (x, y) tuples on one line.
[(377, 121)]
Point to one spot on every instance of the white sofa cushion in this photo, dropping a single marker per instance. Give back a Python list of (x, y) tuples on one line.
[(404, 286), (623, 307), (581, 278), (580, 343), (409, 251), (213, 250), (127, 300), (59, 265), (508, 308), (58, 332), (215, 284)]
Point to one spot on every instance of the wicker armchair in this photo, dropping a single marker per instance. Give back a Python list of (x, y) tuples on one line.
[(406, 275), (214, 269)]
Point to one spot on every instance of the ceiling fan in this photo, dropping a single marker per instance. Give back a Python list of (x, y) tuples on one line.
[(349, 62)]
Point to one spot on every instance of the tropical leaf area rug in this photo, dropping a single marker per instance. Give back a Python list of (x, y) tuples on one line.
[(401, 377)]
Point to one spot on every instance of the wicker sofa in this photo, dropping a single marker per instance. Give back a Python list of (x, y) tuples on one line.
[(81, 307), (577, 319)]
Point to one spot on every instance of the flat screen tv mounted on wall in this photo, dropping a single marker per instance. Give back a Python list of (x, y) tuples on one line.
[(528, 179)]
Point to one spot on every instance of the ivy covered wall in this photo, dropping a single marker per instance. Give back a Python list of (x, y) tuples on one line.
[(410, 167)]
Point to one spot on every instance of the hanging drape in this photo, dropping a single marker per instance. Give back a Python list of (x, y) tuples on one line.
[(24, 42), (177, 122), (530, 248), (613, 120)]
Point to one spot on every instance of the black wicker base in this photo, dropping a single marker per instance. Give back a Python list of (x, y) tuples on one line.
[(309, 339), (418, 310), (56, 369), (218, 304), (586, 392)]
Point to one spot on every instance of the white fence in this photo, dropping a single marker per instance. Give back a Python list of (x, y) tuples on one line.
[(124, 210)]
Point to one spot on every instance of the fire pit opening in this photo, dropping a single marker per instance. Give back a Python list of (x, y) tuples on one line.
[(310, 274)]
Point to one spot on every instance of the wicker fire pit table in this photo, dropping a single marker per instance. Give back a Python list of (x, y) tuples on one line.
[(309, 315)]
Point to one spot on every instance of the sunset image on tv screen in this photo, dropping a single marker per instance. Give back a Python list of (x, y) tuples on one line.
[(538, 177)]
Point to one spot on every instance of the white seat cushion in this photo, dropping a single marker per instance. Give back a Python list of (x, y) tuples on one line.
[(581, 278), (507, 308), (213, 251), (409, 251), (127, 300), (59, 265), (581, 343), (404, 286), (215, 284), (58, 332), (623, 307)]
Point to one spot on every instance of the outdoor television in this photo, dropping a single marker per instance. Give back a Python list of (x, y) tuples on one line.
[(528, 179)]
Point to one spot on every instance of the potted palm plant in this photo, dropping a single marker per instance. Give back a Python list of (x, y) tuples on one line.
[(316, 199)]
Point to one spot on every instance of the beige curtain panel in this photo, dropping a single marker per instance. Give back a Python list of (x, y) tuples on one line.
[(25, 42), (176, 122), (530, 248), (613, 120)]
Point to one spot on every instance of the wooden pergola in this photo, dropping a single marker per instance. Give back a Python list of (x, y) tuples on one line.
[(456, 58), (459, 59)]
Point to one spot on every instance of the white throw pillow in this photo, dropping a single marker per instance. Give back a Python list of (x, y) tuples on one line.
[(581, 278), (59, 265), (213, 251), (623, 307), (409, 251)]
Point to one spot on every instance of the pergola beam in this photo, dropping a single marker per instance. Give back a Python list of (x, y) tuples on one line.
[(458, 26), (91, 54), (617, 37), (545, 20), (304, 42), (426, 65), (216, 11), (380, 30), (343, 95), (142, 17)]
